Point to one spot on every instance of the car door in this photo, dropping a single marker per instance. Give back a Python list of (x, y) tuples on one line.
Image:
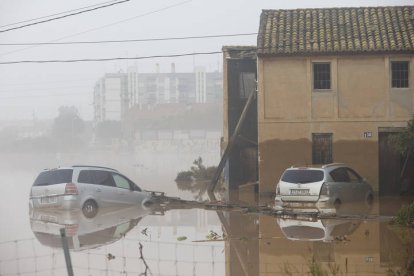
[(126, 194), (341, 188), (104, 189), (357, 185)]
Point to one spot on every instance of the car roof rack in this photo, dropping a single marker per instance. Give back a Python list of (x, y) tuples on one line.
[(333, 164), (98, 167)]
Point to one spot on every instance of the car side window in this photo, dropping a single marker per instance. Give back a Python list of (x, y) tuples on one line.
[(121, 182), (353, 176), (340, 175), (86, 176), (103, 178), (135, 186)]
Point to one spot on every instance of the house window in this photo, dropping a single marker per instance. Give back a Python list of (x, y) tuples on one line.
[(399, 74), (321, 76), (322, 148)]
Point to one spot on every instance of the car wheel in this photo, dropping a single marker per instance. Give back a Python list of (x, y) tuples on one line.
[(90, 208), (337, 204)]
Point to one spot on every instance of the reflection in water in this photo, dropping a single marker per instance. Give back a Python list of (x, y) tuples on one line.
[(326, 230), (133, 240), (254, 244), (108, 226), (119, 241)]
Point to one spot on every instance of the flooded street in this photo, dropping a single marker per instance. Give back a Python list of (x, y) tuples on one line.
[(207, 138), (133, 240)]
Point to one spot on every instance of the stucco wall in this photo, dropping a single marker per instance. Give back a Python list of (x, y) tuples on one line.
[(360, 100)]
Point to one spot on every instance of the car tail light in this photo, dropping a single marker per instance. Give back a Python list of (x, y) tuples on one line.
[(324, 190), (277, 190), (71, 189)]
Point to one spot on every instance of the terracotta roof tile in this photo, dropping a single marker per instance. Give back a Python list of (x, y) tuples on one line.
[(336, 30)]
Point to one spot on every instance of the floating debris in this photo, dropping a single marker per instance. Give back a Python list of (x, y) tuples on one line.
[(110, 257), (181, 238), (212, 236), (144, 231)]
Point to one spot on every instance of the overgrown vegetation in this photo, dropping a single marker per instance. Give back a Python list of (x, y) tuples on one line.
[(402, 260), (315, 268), (403, 142), (198, 172), (403, 228), (197, 179), (405, 215)]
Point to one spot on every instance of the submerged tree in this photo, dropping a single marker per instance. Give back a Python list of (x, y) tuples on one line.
[(198, 172), (196, 179)]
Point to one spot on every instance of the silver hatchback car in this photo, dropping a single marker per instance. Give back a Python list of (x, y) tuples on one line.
[(327, 185), (86, 188)]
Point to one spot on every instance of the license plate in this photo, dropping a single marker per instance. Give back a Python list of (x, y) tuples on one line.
[(48, 218), (299, 191), (48, 200), (301, 205)]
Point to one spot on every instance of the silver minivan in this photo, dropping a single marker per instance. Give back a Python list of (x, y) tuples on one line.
[(86, 188)]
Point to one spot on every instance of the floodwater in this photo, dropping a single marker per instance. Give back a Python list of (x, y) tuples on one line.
[(180, 241)]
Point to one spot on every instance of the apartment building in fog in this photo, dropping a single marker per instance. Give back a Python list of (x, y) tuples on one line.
[(116, 93)]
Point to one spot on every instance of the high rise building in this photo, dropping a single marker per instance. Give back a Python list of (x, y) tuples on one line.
[(116, 93), (110, 97)]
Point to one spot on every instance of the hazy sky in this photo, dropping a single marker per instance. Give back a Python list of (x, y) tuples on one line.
[(28, 90)]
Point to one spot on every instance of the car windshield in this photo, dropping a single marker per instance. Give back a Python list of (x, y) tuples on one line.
[(53, 177), (302, 176)]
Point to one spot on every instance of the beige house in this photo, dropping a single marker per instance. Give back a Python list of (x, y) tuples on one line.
[(332, 85)]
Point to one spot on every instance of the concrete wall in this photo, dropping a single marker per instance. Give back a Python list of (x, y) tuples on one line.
[(360, 100)]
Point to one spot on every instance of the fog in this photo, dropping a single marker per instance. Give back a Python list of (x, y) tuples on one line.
[(50, 117), (37, 90)]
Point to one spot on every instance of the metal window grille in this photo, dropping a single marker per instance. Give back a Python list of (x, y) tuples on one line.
[(399, 72), (322, 148), (321, 76)]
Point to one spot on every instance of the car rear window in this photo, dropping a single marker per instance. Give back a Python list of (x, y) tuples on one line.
[(304, 232), (302, 176), (54, 177)]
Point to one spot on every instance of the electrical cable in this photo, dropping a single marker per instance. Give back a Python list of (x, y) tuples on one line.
[(104, 26), (125, 40), (46, 16), (108, 59), (63, 16)]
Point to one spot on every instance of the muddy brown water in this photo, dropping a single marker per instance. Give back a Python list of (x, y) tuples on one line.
[(132, 241)]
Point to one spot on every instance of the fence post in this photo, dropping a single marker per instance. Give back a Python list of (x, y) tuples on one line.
[(66, 251)]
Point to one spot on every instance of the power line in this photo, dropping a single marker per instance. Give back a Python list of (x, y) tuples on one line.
[(108, 59), (128, 19), (125, 40), (104, 26), (64, 16), (55, 14)]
